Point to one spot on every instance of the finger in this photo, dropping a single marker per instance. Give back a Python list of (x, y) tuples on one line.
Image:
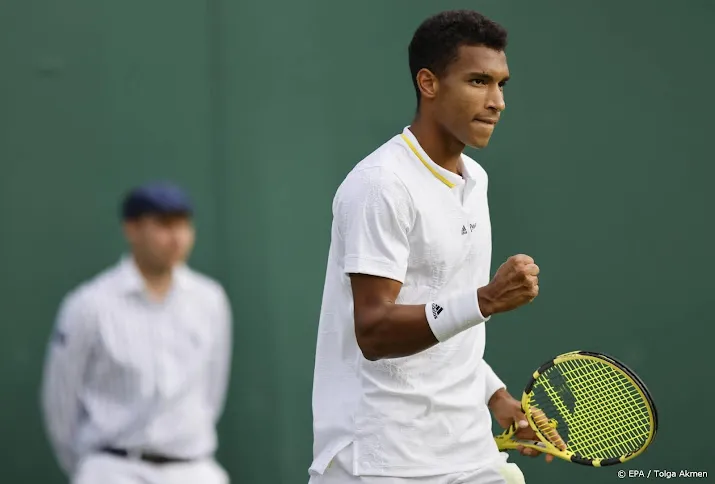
[(520, 420), (531, 288), (522, 259), (531, 281), (526, 434), (532, 269), (528, 452), (549, 458)]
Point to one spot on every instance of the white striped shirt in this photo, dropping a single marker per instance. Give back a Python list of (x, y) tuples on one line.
[(127, 372)]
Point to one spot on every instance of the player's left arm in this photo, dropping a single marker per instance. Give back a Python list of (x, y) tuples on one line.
[(507, 410)]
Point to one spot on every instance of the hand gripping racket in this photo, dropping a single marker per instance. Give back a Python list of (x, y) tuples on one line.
[(586, 408)]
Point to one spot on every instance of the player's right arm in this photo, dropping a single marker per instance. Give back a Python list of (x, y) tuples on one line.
[(385, 329), (66, 362), (375, 216)]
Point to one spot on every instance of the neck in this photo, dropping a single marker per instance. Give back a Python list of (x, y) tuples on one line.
[(443, 148), (158, 280)]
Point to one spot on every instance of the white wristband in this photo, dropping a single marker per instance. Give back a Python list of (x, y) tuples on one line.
[(451, 316)]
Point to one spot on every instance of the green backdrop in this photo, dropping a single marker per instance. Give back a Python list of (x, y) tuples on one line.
[(601, 170)]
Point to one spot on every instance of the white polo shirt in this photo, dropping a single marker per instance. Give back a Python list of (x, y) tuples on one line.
[(401, 216)]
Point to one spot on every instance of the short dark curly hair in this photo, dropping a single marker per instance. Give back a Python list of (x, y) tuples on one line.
[(436, 41)]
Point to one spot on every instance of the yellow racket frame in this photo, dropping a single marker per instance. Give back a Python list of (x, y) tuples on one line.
[(506, 440)]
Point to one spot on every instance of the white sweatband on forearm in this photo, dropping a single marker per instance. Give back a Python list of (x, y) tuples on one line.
[(453, 315)]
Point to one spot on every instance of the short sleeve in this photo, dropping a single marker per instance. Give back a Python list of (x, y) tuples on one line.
[(375, 216)]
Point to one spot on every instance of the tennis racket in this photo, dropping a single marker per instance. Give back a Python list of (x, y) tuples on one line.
[(586, 408)]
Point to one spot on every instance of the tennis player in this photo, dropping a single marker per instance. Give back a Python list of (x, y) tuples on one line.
[(401, 391)]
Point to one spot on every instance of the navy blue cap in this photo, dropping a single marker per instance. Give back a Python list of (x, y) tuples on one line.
[(157, 198)]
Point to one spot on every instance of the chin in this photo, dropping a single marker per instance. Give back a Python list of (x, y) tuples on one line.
[(477, 139), (478, 143)]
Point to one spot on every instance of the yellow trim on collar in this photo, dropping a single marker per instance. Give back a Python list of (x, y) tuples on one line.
[(432, 170)]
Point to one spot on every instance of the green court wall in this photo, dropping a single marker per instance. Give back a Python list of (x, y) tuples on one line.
[(601, 170)]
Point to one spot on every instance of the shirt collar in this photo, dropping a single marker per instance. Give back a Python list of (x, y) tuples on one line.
[(447, 177), (132, 280)]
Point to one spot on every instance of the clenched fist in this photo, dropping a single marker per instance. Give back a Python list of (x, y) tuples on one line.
[(514, 284)]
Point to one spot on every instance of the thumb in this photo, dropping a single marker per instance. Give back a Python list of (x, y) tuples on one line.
[(520, 420)]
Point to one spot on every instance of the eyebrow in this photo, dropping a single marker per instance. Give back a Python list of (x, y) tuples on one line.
[(486, 77)]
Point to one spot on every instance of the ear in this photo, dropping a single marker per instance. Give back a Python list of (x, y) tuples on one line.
[(427, 83), (129, 228)]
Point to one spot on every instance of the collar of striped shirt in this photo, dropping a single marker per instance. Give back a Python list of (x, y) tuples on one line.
[(133, 282)]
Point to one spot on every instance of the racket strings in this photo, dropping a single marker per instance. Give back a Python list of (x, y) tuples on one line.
[(600, 413), (600, 398), (614, 425), (606, 422), (618, 410)]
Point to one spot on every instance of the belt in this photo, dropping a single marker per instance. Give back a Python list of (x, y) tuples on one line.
[(144, 456)]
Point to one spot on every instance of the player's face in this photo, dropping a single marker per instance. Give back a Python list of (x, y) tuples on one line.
[(162, 241), (470, 97)]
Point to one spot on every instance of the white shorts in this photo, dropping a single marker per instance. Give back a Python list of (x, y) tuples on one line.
[(109, 469), (502, 472)]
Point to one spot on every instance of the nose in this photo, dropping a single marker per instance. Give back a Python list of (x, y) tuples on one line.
[(495, 99)]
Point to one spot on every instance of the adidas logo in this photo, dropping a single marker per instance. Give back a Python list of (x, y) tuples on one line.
[(436, 310), (464, 230)]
